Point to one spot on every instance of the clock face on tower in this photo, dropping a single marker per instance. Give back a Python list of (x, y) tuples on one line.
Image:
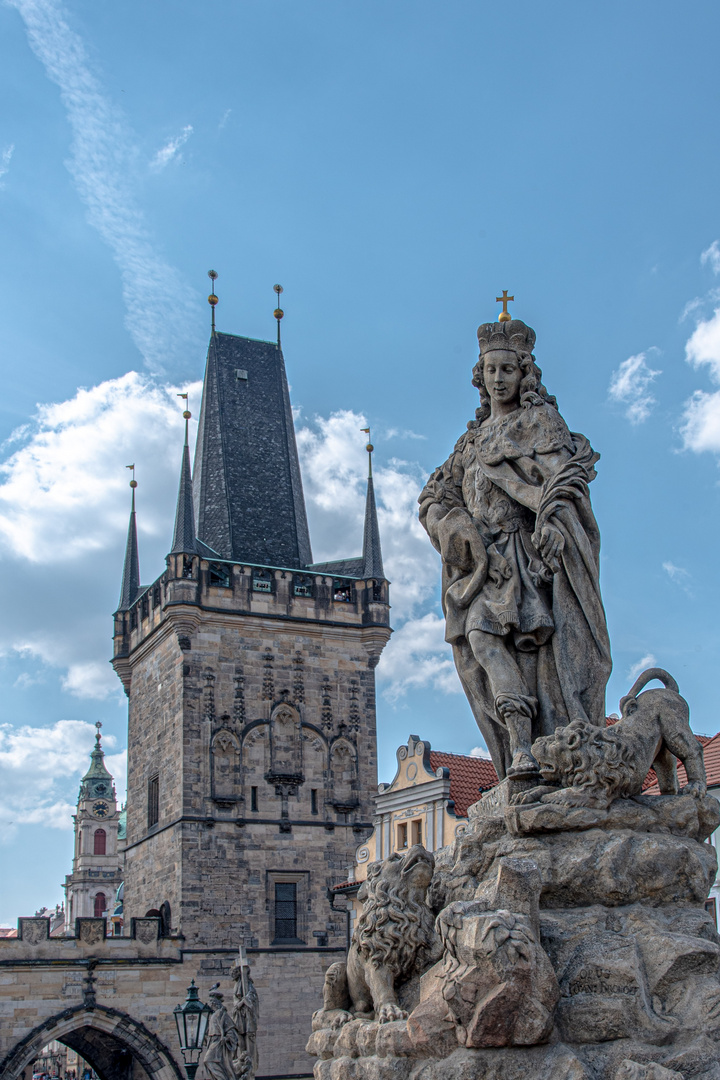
[(100, 809)]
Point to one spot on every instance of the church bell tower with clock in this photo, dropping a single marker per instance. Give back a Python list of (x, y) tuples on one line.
[(97, 872)]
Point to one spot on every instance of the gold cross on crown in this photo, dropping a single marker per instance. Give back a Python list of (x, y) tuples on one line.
[(504, 315)]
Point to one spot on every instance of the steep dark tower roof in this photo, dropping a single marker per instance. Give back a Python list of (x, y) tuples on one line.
[(131, 570), (184, 534), (249, 504), (372, 555)]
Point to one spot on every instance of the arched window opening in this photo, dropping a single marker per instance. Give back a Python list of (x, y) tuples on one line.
[(100, 905), (99, 842)]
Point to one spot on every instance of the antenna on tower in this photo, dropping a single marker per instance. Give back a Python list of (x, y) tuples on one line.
[(212, 298), (278, 312)]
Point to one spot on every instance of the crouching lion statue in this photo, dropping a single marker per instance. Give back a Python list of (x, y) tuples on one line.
[(394, 939), (594, 766)]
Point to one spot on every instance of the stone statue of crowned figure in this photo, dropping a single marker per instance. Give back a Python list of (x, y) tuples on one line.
[(564, 934), (509, 512)]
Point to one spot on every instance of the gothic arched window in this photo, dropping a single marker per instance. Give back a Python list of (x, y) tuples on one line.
[(100, 905), (99, 842)]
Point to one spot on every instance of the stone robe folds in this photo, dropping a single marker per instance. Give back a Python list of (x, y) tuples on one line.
[(222, 1045), (511, 477)]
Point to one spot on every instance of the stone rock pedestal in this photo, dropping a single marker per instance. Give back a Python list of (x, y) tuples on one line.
[(576, 947)]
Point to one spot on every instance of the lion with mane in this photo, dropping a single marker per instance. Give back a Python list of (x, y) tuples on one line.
[(395, 935)]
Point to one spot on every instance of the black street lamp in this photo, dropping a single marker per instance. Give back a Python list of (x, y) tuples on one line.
[(192, 1021)]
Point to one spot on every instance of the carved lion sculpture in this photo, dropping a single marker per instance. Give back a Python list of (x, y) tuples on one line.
[(594, 766), (395, 936)]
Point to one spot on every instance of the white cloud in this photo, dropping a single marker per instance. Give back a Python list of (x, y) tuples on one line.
[(644, 662), (630, 386), (703, 345), (64, 505), (224, 119), (676, 573), (480, 752), (40, 768), (5, 158), (161, 310), (417, 657), (166, 154), (63, 489), (711, 256), (700, 428)]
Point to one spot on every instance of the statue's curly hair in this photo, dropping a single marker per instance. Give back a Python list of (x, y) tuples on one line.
[(532, 391), (393, 929)]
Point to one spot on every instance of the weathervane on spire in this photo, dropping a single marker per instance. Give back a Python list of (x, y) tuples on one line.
[(212, 298), (369, 449), (278, 312), (133, 483), (504, 315), (186, 414)]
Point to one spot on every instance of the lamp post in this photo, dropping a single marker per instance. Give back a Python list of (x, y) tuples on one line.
[(192, 1021)]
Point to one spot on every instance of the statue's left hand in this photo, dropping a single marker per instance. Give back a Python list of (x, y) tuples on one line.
[(550, 544)]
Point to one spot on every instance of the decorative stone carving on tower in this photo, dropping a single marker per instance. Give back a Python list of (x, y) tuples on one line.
[(97, 864), (574, 940)]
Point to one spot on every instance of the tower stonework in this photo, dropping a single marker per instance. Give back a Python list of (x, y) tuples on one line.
[(250, 673)]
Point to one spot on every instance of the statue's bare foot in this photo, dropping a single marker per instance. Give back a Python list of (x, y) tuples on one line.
[(524, 766), (389, 1012)]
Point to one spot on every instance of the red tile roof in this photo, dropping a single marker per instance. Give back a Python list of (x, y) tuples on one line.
[(467, 776)]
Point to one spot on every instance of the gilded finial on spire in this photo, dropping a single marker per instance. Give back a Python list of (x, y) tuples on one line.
[(133, 483), (187, 415), (212, 298), (98, 725), (369, 449), (504, 315), (278, 312)]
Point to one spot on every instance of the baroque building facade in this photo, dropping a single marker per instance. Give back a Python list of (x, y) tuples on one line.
[(250, 675)]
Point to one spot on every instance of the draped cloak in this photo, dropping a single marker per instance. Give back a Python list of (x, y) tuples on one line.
[(512, 476)]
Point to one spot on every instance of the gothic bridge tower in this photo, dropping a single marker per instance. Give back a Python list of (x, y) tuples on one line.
[(250, 676)]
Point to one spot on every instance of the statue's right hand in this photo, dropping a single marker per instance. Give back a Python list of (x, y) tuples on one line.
[(460, 543)]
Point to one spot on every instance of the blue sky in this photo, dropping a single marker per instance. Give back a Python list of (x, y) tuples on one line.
[(394, 166)]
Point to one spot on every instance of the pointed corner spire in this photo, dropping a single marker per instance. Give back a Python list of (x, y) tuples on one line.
[(372, 554), (184, 534), (131, 569)]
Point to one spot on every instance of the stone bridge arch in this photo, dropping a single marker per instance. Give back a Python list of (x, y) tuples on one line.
[(116, 1046)]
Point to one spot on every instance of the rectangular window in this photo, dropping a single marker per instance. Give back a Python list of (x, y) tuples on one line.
[(402, 836), (313, 800), (285, 910), (253, 799), (153, 800), (417, 832)]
